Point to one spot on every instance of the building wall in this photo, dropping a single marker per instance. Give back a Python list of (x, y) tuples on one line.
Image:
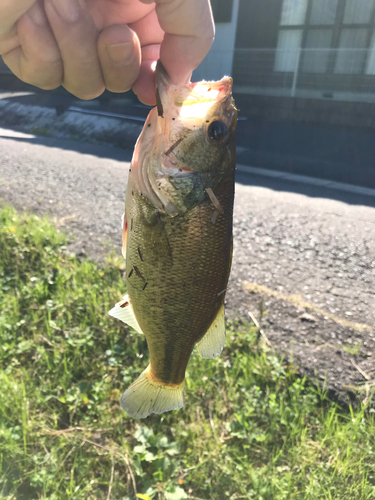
[(219, 60)]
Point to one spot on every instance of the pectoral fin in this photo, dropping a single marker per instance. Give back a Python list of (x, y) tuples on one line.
[(213, 341), (124, 312)]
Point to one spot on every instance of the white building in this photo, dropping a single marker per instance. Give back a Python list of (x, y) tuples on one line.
[(297, 48)]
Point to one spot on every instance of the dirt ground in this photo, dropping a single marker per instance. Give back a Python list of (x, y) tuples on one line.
[(303, 256)]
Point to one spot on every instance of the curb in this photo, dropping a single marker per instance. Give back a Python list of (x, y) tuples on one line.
[(72, 124)]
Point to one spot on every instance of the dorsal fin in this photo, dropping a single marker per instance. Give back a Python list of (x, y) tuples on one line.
[(123, 311), (213, 341)]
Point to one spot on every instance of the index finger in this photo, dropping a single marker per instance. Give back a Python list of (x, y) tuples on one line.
[(189, 33)]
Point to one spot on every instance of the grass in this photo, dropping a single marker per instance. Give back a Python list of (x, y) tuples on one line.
[(250, 428)]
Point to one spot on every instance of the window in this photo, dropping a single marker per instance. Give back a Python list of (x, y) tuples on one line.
[(293, 12), (316, 61), (222, 10), (288, 47), (289, 42), (323, 11), (350, 61), (358, 11), (315, 27)]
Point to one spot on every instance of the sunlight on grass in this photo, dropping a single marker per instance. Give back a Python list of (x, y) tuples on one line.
[(250, 428)]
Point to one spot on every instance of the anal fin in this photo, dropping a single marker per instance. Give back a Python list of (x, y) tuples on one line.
[(124, 312), (213, 341)]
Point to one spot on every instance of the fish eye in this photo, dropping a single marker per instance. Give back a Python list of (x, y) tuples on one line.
[(217, 130)]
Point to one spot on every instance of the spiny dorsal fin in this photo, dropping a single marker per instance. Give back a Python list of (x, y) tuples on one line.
[(123, 311), (213, 341), (146, 396)]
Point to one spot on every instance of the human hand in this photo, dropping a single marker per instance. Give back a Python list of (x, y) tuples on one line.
[(92, 45)]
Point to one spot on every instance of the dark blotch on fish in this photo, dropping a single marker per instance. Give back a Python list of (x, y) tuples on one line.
[(138, 273)]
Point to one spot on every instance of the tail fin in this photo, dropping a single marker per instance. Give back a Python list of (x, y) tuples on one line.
[(145, 396)]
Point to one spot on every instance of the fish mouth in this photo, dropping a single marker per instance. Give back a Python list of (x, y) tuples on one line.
[(192, 100), (223, 86)]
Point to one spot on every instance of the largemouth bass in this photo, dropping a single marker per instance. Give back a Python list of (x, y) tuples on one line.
[(177, 235)]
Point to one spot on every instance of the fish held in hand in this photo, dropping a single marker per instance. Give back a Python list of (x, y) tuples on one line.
[(177, 235)]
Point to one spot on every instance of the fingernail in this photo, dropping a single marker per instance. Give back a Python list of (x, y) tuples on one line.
[(121, 53), (69, 10)]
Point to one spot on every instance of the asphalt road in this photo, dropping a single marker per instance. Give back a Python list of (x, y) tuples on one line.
[(304, 254), (332, 152)]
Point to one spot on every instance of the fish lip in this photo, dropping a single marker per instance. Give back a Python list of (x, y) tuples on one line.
[(167, 92), (161, 74), (163, 82), (162, 78)]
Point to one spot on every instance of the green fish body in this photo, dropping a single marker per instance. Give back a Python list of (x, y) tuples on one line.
[(177, 237)]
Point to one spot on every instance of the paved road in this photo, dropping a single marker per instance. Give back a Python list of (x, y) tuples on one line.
[(290, 239), (339, 153)]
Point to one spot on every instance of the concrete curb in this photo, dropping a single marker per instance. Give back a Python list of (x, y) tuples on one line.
[(72, 124)]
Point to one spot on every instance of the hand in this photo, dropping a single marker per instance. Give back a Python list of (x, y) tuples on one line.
[(92, 45)]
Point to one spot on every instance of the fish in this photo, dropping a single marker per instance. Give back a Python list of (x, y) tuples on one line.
[(177, 235)]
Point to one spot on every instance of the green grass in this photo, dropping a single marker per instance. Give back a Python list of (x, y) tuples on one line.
[(250, 428)]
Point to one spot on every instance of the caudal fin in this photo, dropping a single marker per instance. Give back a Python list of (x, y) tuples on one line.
[(145, 396)]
